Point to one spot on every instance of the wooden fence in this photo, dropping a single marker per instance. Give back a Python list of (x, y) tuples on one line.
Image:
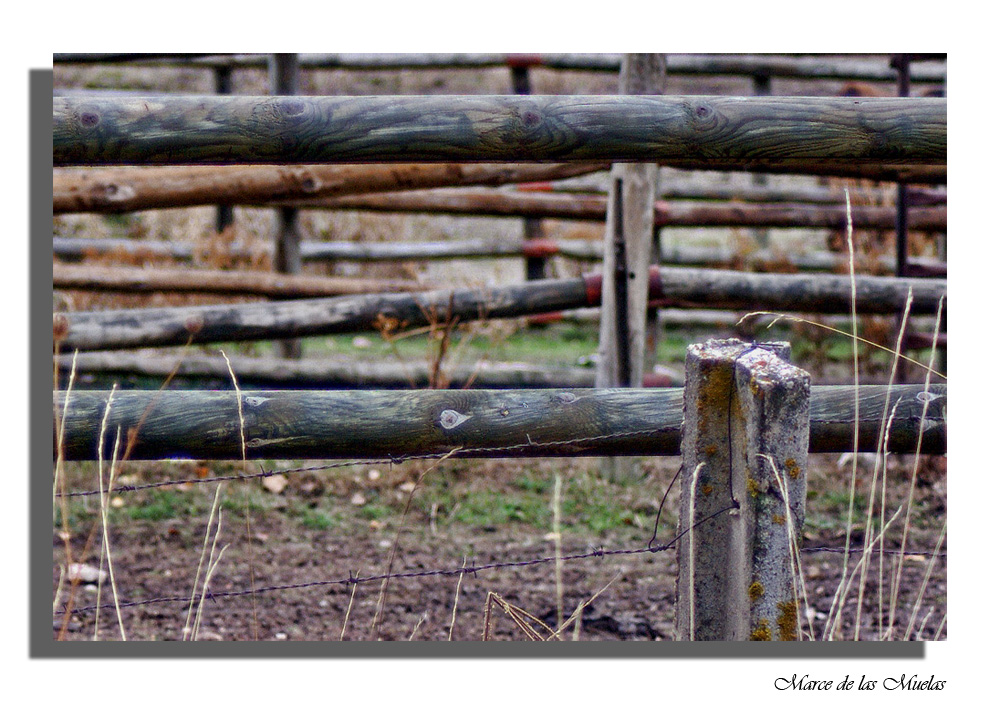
[(865, 68), (736, 396), (74, 249), (363, 424), (669, 287)]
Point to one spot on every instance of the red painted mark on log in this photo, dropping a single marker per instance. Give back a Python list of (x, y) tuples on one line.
[(523, 60), (540, 248)]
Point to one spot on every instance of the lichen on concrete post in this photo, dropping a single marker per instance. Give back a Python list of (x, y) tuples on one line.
[(774, 397), (740, 401)]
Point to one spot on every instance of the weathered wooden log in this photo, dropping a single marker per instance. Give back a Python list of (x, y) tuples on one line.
[(122, 189), (581, 249), (757, 132), (367, 424), (870, 69), (665, 213), (704, 288), (253, 283), (676, 189), (332, 373)]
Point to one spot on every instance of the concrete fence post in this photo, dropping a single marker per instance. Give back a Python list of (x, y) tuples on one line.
[(744, 444)]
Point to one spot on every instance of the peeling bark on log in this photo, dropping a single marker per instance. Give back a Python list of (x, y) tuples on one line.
[(122, 189), (367, 424)]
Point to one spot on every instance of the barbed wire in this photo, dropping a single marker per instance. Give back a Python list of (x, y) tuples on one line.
[(395, 460), (473, 569)]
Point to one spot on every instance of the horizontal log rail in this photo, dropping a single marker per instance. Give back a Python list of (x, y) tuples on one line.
[(578, 249), (367, 424), (669, 287), (122, 189), (665, 213), (249, 283), (755, 132), (869, 69), (704, 191), (334, 373)]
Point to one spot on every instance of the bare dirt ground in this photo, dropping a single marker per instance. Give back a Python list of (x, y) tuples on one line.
[(300, 569)]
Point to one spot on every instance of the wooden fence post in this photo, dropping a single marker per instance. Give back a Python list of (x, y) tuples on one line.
[(761, 88), (744, 447), (223, 85), (534, 266), (628, 245), (283, 72)]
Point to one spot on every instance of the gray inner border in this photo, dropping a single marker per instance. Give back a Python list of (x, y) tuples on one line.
[(41, 642)]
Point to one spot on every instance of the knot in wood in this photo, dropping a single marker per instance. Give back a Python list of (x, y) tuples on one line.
[(451, 419)]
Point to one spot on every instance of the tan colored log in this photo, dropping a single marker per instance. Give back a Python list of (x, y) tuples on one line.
[(105, 278), (665, 213), (122, 189)]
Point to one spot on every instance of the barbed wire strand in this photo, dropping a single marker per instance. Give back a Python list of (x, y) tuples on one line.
[(394, 460)]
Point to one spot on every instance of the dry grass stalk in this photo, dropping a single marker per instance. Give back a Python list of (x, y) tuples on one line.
[(799, 591), (104, 500), (347, 614), (454, 607), (557, 540), (380, 604)]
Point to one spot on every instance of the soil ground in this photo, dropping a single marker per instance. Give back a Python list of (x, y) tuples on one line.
[(299, 548)]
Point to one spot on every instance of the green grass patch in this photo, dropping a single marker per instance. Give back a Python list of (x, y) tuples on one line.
[(158, 505), (314, 519)]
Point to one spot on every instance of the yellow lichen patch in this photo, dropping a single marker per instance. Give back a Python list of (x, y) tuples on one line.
[(762, 632), (715, 394), (778, 519), (707, 490), (756, 591), (752, 487), (793, 468), (788, 621)]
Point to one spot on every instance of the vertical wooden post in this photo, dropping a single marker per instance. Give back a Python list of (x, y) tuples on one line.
[(283, 73), (534, 266), (744, 447), (627, 259), (761, 88), (223, 85)]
